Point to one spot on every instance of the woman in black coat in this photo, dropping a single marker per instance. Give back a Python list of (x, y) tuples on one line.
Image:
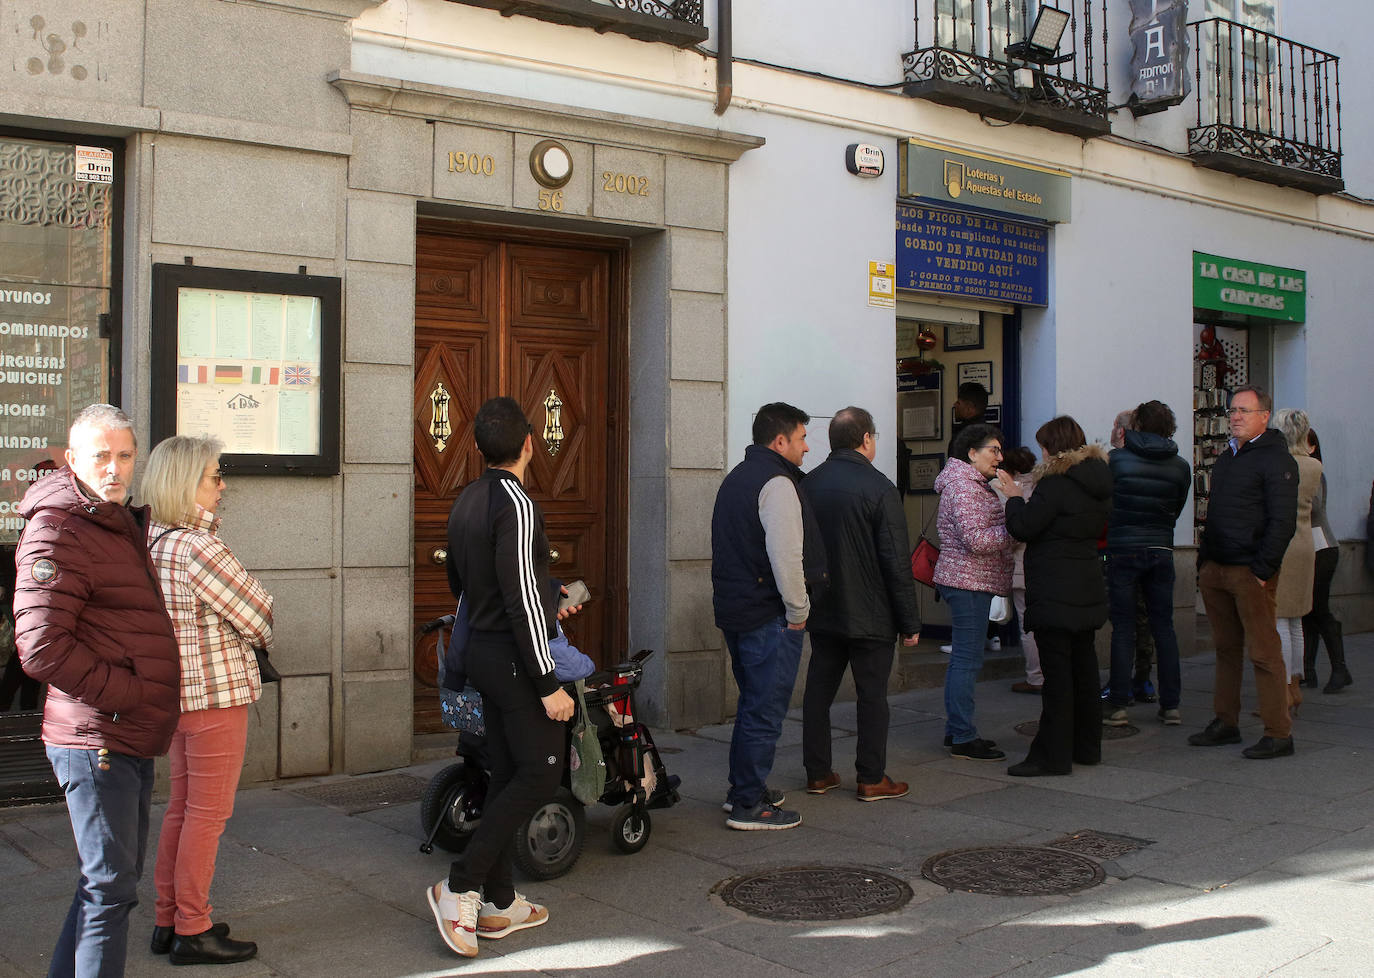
[(1066, 598)]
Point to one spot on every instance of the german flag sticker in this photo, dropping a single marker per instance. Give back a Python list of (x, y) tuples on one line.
[(43, 570)]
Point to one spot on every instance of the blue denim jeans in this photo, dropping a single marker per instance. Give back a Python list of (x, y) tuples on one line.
[(109, 813), (765, 662), (1150, 569), (968, 612)]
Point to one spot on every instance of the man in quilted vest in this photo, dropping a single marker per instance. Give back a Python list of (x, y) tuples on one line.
[(90, 622)]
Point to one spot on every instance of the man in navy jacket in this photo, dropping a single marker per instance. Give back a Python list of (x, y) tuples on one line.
[(760, 551)]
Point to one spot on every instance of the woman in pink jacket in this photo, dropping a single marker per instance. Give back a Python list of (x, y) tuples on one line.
[(975, 564)]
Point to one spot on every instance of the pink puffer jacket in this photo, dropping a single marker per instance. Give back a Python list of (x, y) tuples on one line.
[(975, 548)]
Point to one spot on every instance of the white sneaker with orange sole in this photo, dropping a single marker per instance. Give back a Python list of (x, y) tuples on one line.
[(457, 915), (493, 921)]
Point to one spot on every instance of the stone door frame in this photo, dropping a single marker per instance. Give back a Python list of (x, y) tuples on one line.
[(402, 134)]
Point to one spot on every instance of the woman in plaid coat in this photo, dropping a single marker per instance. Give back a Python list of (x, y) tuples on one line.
[(220, 614)]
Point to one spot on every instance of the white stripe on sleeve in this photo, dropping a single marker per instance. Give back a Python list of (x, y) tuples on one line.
[(529, 586)]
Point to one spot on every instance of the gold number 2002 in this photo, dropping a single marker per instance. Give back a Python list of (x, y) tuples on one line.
[(624, 183)]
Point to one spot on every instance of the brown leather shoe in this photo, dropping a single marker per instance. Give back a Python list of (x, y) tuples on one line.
[(821, 785), (886, 788)]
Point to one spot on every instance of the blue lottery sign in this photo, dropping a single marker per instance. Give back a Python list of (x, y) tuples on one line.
[(971, 255)]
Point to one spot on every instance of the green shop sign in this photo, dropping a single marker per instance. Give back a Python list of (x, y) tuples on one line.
[(1248, 288)]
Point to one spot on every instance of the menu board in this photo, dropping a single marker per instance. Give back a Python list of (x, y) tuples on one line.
[(250, 358), (248, 370)]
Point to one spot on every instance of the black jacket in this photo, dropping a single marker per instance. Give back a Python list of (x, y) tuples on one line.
[(498, 557), (1253, 507), (1061, 524), (871, 594), (1150, 486), (744, 592)]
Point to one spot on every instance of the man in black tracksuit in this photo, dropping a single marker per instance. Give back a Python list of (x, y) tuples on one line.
[(870, 600), (498, 563)]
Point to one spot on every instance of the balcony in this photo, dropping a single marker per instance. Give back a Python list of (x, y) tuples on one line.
[(1267, 108), (961, 59), (675, 22)]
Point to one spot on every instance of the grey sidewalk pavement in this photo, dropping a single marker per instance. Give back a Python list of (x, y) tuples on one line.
[(1252, 867)]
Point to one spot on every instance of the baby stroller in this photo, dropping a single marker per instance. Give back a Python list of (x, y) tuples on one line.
[(548, 844)]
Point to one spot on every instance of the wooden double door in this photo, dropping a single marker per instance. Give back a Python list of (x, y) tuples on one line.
[(543, 320)]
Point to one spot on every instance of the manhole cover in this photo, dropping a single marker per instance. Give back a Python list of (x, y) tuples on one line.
[(1012, 871), (798, 893), (1098, 845), (356, 795), (1031, 727)]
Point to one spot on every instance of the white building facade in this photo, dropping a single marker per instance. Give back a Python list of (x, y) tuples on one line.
[(572, 202)]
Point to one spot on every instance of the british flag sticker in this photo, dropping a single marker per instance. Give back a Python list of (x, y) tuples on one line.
[(298, 377)]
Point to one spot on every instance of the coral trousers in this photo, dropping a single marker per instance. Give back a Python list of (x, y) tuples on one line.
[(207, 758)]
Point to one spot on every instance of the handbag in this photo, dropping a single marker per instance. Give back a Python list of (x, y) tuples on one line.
[(266, 671), (999, 612), (461, 709), (586, 764), (925, 555)]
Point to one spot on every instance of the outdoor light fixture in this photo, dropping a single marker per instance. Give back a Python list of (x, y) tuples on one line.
[(1044, 38)]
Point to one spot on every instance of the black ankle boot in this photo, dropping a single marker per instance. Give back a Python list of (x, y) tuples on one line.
[(1309, 652), (162, 937), (210, 948), (1334, 637)]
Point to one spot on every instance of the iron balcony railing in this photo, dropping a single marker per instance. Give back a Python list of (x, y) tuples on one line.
[(961, 59), (677, 22), (1267, 107), (687, 11)]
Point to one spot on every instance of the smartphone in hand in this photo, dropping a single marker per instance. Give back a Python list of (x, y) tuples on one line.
[(578, 593)]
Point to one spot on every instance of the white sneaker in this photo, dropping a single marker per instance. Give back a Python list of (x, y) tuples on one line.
[(456, 914), (947, 649), (994, 644), (494, 921)]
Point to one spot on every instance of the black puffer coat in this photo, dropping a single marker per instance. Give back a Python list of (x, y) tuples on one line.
[(1150, 486), (1253, 508), (1061, 524)]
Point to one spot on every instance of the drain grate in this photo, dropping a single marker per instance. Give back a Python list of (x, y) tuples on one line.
[(1013, 871), (1031, 727), (1102, 846), (356, 795), (806, 893)]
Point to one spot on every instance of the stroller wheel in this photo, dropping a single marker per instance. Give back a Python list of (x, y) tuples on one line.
[(630, 829), (549, 843), (454, 801)]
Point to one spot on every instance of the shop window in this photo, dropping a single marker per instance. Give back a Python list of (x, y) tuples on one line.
[(58, 240)]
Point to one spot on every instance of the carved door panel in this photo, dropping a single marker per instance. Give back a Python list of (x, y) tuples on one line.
[(542, 323)]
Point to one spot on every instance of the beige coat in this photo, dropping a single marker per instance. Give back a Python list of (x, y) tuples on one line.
[(1297, 571)]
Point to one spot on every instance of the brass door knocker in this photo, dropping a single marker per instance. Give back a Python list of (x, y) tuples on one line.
[(439, 428), (553, 422)]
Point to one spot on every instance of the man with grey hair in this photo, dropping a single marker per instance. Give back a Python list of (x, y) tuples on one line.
[(870, 601), (1252, 512), (89, 621)]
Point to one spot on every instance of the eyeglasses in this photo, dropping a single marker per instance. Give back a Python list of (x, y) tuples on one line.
[(215, 477), (995, 449), (1235, 410)]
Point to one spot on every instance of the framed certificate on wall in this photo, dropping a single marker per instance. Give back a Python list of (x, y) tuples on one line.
[(978, 372), (251, 358)]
